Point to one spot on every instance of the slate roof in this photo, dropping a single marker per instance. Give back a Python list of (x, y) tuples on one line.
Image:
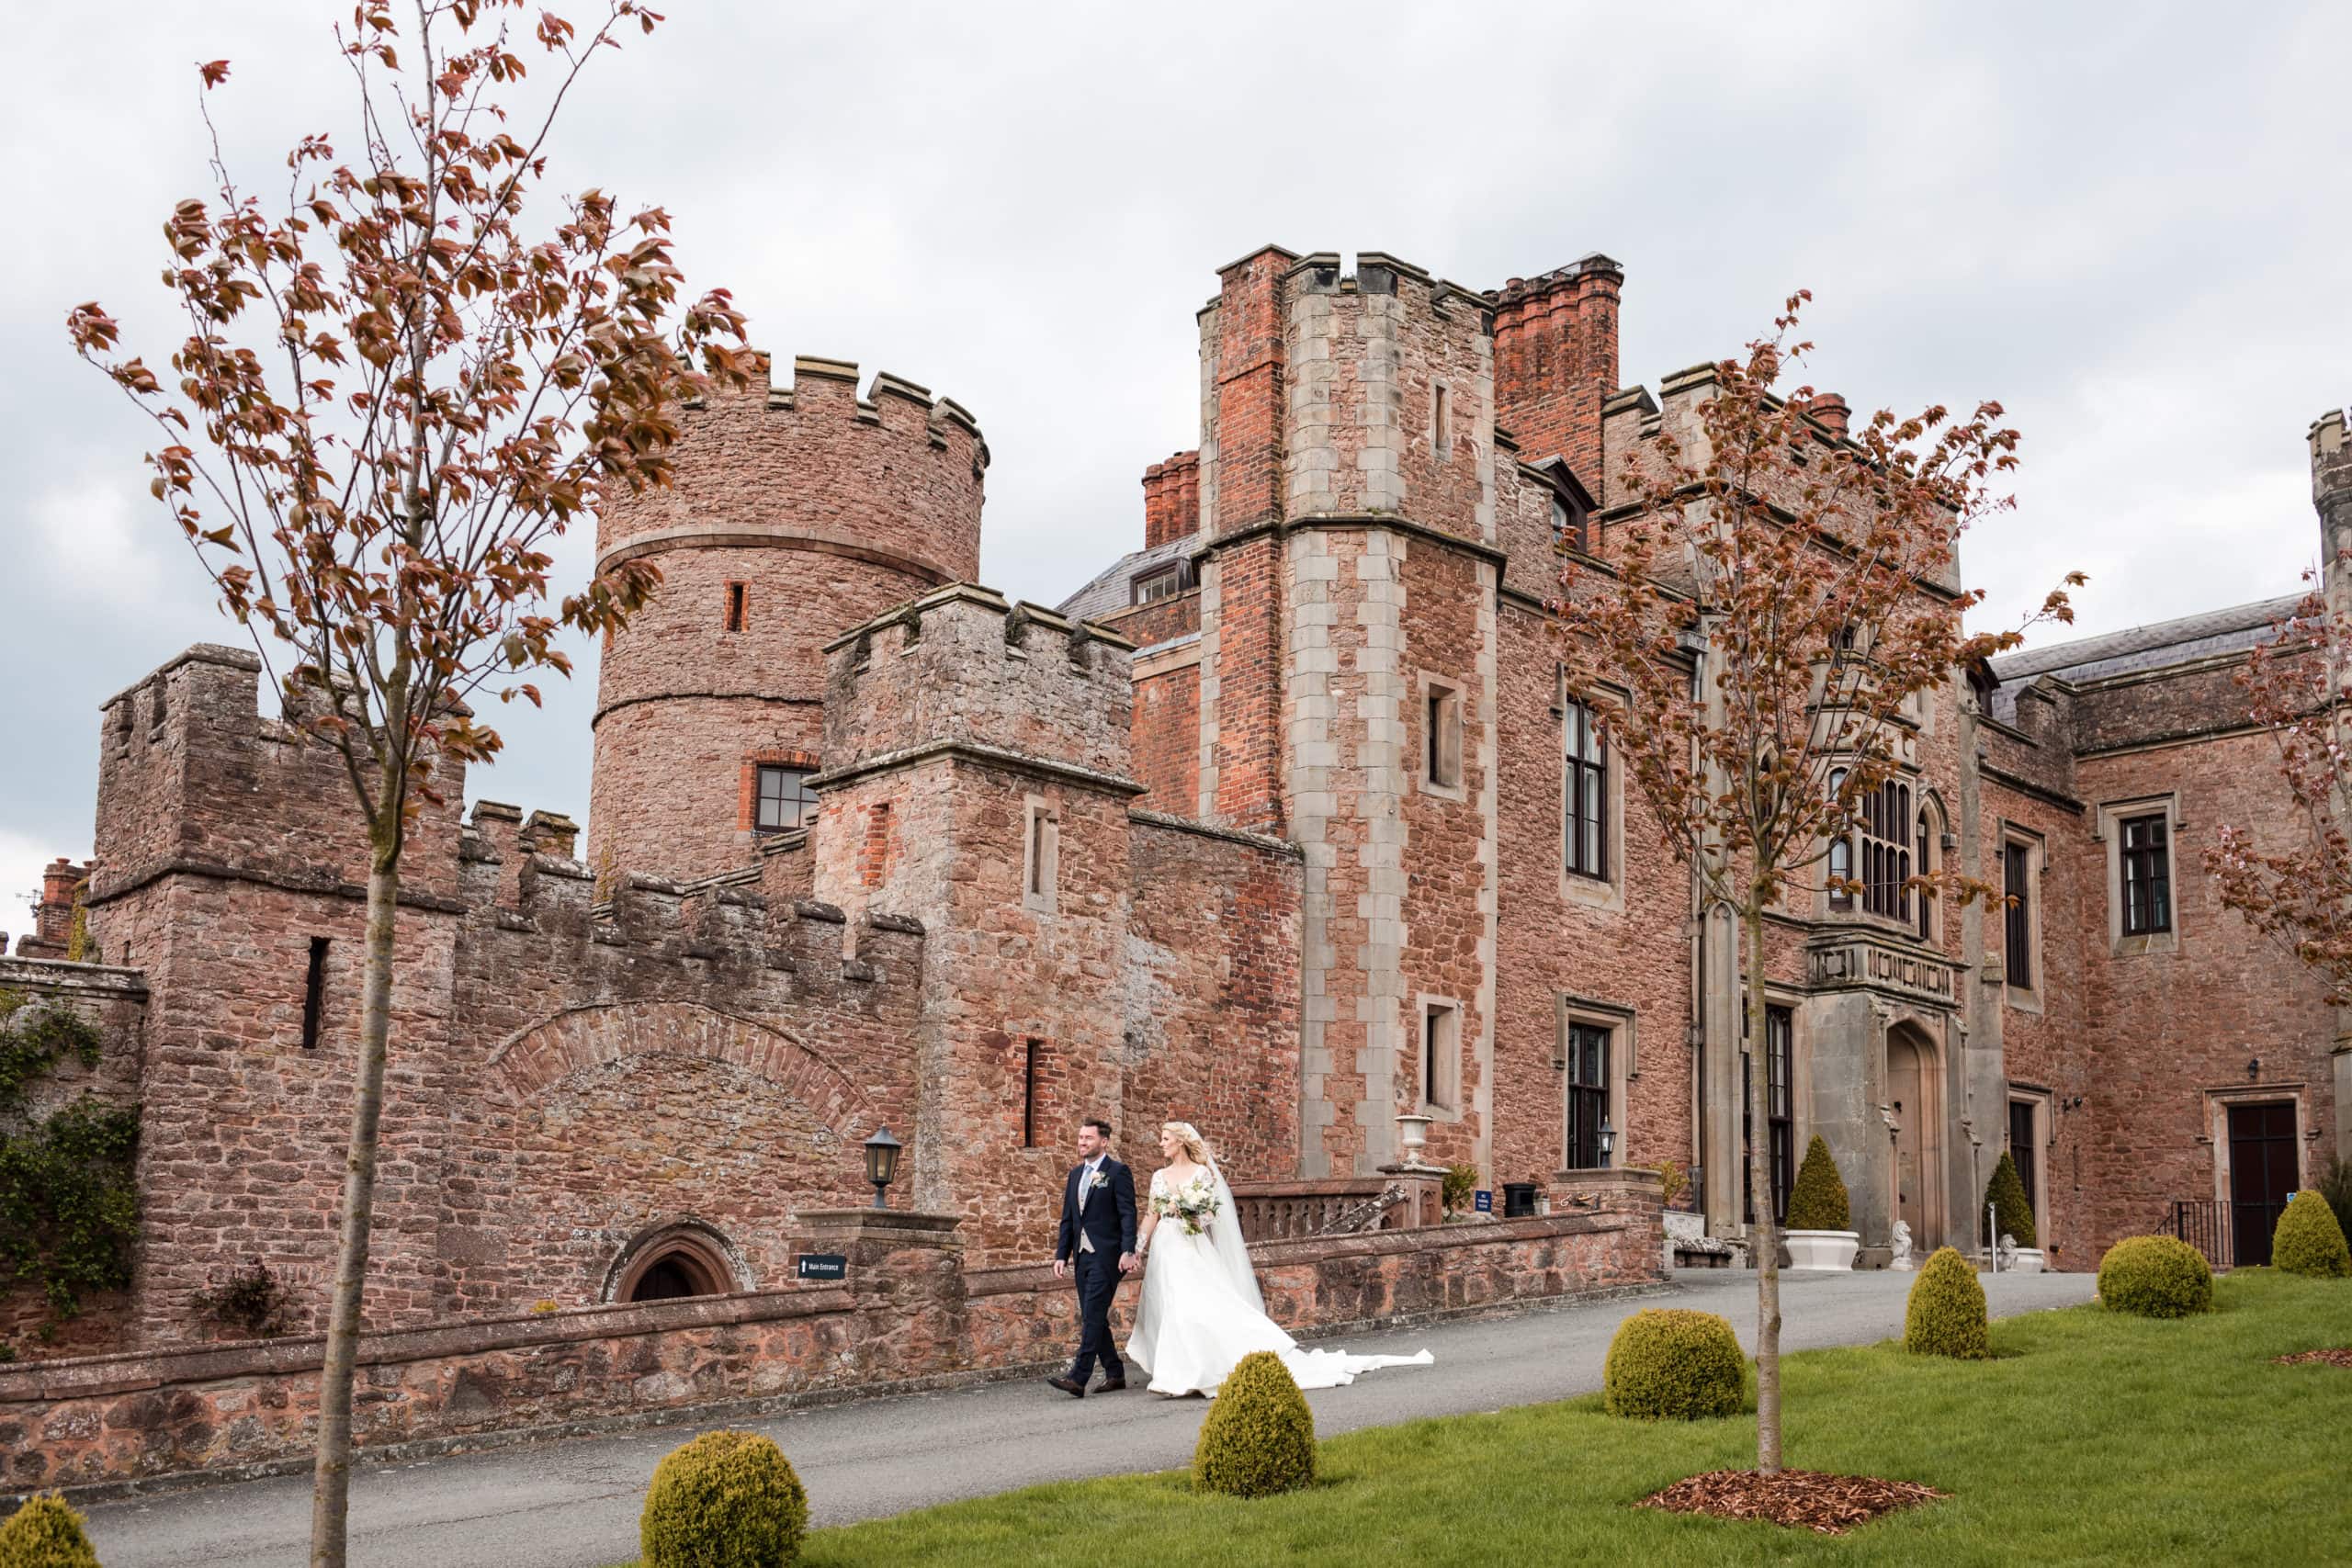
[(1112, 590), (2152, 647)]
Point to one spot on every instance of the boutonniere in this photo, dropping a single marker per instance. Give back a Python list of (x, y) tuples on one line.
[(1098, 1179)]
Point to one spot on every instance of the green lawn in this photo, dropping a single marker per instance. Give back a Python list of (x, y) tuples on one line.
[(2093, 1438)]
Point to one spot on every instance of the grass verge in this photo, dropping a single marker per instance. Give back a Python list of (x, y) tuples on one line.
[(2093, 1438)]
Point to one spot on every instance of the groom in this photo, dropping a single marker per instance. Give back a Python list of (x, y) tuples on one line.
[(1098, 1239)]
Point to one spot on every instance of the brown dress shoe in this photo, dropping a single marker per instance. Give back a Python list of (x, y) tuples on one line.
[(1110, 1385), (1070, 1386)]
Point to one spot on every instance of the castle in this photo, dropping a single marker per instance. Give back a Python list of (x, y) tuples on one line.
[(1286, 823)]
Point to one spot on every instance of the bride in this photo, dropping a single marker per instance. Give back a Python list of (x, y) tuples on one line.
[(1201, 1310)]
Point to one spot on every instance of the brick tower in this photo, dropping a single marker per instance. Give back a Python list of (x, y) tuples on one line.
[(1349, 574), (799, 512)]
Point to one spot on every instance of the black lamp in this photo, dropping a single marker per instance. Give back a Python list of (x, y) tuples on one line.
[(882, 1163), (1607, 1139)]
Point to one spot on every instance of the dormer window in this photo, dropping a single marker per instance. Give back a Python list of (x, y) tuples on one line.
[(1161, 582), (1567, 524)]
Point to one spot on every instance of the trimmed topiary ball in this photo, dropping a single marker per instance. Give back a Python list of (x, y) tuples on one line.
[(1946, 1313), (1260, 1435), (2309, 1240), (726, 1500), (1817, 1202), (1671, 1364), (2012, 1215), (45, 1533), (2155, 1276)]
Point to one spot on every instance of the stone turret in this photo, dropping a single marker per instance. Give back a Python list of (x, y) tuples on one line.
[(798, 510)]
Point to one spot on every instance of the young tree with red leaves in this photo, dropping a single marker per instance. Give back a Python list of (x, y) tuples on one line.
[(389, 403), (1768, 603)]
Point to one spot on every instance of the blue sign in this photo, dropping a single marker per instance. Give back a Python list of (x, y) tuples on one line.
[(1483, 1200)]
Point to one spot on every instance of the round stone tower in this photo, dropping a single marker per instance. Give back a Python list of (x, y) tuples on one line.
[(799, 512)]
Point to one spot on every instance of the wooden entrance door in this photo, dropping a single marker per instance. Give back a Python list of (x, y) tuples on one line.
[(1915, 1102), (2262, 1172)]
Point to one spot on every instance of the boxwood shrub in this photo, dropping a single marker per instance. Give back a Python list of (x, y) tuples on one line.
[(2012, 1215), (1258, 1437), (2155, 1276), (45, 1533), (1671, 1364), (1946, 1312), (2309, 1241), (1817, 1202), (726, 1500)]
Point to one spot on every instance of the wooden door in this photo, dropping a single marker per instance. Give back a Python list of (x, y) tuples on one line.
[(2262, 1173)]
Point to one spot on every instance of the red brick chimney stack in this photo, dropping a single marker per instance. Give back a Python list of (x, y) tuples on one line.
[(1829, 412), (1556, 361), (1171, 500)]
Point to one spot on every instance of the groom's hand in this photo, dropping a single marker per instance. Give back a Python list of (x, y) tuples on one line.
[(1128, 1262), (1060, 1268)]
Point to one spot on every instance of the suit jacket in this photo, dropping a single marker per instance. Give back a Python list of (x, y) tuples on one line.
[(1110, 1216)]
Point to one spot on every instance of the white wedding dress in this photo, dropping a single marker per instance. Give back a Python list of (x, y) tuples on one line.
[(1202, 1311)]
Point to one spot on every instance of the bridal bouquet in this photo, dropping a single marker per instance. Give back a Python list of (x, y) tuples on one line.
[(1194, 1207)]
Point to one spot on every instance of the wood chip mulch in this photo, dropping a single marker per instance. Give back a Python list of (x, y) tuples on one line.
[(1801, 1499), (2333, 1357)]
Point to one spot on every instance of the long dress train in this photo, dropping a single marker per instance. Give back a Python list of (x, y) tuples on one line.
[(1197, 1318)]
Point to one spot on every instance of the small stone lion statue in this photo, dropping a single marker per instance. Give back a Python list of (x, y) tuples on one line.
[(1902, 1258)]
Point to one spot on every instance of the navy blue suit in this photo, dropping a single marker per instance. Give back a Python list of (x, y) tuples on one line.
[(1108, 1221)]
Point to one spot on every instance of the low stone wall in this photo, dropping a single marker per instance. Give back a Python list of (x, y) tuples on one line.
[(908, 1315)]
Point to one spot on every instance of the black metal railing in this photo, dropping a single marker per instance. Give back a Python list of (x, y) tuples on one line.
[(2204, 1224)]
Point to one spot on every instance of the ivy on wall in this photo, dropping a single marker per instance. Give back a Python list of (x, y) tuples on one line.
[(69, 1203)]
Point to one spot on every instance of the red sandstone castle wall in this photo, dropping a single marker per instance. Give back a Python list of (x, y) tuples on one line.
[(949, 728), (1212, 984), (2168, 1025), (560, 1076), (1622, 944)]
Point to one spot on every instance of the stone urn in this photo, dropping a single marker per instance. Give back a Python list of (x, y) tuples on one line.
[(2024, 1261), (1832, 1251)]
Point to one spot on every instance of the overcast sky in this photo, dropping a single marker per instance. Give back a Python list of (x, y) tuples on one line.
[(2129, 224)]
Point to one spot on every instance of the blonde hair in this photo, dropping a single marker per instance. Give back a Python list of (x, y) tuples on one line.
[(1197, 1147)]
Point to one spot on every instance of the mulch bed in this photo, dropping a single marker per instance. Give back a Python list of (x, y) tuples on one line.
[(2333, 1357), (1801, 1499)]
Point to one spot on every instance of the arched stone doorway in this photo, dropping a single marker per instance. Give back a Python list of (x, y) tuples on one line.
[(1916, 1120), (670, 1261)]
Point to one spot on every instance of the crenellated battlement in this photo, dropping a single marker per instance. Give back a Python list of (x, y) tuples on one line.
[(637, 929), (965, 666), (1387, 394), (195, 778)]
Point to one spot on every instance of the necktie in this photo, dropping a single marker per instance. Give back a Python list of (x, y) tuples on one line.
[(1085, 1181)]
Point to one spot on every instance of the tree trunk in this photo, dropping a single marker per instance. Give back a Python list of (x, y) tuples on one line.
[(331, 1483), (1763, 1235)]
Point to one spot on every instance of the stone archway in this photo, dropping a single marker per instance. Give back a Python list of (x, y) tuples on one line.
[(684, 1258), (535, 1059), (1916, 1120)]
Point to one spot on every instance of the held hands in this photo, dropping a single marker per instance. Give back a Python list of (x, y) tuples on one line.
[(1129, 1262)]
